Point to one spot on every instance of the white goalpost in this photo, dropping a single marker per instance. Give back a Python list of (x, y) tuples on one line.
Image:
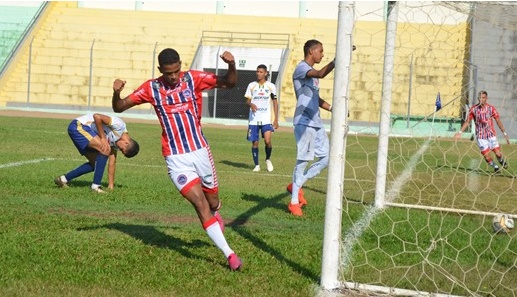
[(339, 129)]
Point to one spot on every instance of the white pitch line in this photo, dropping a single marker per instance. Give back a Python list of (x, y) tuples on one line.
[(472, 176), (358, 228), (14, 164)]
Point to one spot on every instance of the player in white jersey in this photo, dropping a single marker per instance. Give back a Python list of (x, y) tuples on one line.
[(259, 95), (98, 137)]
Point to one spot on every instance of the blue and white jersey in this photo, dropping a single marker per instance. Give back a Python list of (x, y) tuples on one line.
[(307, 90), (261, 96), (113, 131)]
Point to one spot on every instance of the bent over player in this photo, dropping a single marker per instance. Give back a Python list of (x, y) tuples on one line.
[(98, 137)]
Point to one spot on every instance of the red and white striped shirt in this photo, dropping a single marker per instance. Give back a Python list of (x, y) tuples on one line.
[(178, 108), (482, 116)]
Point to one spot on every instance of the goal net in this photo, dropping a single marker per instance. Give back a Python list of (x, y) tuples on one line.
[(434, 236)]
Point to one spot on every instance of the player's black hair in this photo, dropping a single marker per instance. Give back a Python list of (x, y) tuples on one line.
[(168, 56), (262, 66), (308, 45), (132, 149)]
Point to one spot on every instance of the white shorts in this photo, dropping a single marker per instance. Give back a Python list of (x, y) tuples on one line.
[(489, 144), (310, 142), (186, 170)]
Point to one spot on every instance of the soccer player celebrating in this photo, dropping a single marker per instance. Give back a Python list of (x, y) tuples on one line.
[(177, 99), (259, 95), (482, 114)]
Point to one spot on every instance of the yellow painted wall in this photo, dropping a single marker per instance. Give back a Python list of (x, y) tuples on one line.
[(123, 43)]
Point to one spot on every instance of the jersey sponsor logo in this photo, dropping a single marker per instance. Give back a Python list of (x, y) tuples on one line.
[(179, 108), (182, 179), (261, 109)]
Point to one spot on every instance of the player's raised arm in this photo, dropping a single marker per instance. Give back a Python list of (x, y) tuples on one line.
[(230, 79), (118, 104)]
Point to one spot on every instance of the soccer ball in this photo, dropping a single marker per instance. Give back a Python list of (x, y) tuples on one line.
[(502, 223)]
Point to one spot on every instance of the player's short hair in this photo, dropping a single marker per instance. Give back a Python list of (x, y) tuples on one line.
[(262, 66), (481, 93), (310, 44), (168, 56), (132, 149)]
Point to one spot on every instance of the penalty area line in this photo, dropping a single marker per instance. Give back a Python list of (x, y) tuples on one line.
[(14, 164)]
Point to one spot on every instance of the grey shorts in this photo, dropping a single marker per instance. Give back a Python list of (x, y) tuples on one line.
[(310, 142)]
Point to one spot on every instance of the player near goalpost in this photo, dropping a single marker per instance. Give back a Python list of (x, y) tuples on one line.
[(483, 115), (177, 99), (309, 132), (259, 96)]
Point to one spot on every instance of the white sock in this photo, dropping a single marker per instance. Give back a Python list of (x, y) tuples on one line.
[(215, 233)]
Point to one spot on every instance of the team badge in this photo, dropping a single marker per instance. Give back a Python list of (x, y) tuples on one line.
[(187, 93), (182, 179)]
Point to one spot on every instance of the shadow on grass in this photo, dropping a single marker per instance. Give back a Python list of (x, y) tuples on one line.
[(263, 203), (236, 164), (478, 171), (151, 236)]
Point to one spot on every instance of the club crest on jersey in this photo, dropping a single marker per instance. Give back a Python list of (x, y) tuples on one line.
[(187, 93), (182, 179)]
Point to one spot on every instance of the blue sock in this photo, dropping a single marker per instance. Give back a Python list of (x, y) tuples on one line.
[(268, 152), (255, 152), (100, 164), (83, 169)]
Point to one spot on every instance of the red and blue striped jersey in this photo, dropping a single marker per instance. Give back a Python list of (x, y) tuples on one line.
[(178, 109), (482, 116)]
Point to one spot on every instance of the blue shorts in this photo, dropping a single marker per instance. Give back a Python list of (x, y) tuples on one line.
[(253, 131), (81, 135)]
